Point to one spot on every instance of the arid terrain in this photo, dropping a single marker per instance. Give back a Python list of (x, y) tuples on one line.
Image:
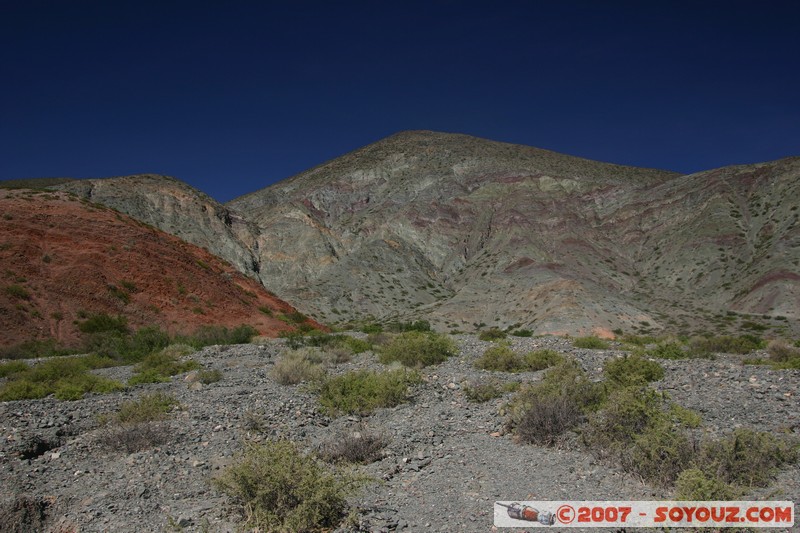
[(510, 324)]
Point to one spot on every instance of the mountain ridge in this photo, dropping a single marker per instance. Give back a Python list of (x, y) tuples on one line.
[(470, 233)]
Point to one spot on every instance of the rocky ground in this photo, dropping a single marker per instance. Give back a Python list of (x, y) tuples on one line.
[(447, 460)]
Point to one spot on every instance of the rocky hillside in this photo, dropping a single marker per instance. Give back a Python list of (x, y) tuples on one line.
[(178, 209), (465, 231), (64, 258), (469, 233)]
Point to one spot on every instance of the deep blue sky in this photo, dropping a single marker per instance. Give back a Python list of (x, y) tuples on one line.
[(233, 97)]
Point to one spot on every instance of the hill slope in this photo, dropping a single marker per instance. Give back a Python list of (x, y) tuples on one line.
[(466, 231), (61, 259)]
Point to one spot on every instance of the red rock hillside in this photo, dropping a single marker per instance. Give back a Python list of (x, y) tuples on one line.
[(62, 258)]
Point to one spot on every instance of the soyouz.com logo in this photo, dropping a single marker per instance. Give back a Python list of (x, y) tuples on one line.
[(719, 514)]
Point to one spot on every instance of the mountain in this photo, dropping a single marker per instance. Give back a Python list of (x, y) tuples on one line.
[(64, 258), (175, 208), (464, 232), (467, 232)]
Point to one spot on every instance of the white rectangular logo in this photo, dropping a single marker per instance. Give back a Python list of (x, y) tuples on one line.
[(556, 513)]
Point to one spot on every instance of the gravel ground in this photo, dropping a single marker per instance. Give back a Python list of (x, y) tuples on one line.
[(447, 460)]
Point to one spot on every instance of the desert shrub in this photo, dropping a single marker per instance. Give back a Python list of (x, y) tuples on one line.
[(296, 366), (540, 413), (354, 447), (522, 333), (694, 485), (74, 387), (148, 408), (743, 344), (541, 359), (500, 358), (492, 334), (219, 335), (103, 322), (548, 418), (659, 454), (135, 437), (281, 489), (372, 328), (145, 341), (207, 377), (668, 350), (23, 389), (34, 349), (483, 392), (416, 325), (632, 370), (781, 352), (18, 292), (593, 343), (746, 458), (684, 417), (638, 340), (66, 377), (417, 349), (628, 412), (12, 367), (363, 392), (157, 367)]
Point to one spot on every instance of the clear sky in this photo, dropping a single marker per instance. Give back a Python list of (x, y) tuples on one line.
[(231, 96)]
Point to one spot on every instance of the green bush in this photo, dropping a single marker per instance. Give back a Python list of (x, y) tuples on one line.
[(540, 413), (592, 343), (746, 458), (149, 407), (417, 349), (632, 370), (219, 335), (418, 325), (541, 359), (296, 367), (781, 352), (362, 392), (638, 340), (522, 333), (18, 292), (500, 358), (668, 350), (492, 334), (281, 489), (627, 413), (157, 367), (12, 367), (103, 322), (207, 377), (743, 344), (34, 349), (659, 454), (66, 377), (483, 392), (694, 485)]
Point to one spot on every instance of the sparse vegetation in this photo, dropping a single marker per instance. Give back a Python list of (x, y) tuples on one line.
[(743, 344), (160, 366), (591, 343), (297, 366), (632, 370), (492, 334), (138, 424), (18, 292), (483, 392), (354, 447), (501, 358), (417, 349), (363, 391), (65, 377), (280, 489)]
